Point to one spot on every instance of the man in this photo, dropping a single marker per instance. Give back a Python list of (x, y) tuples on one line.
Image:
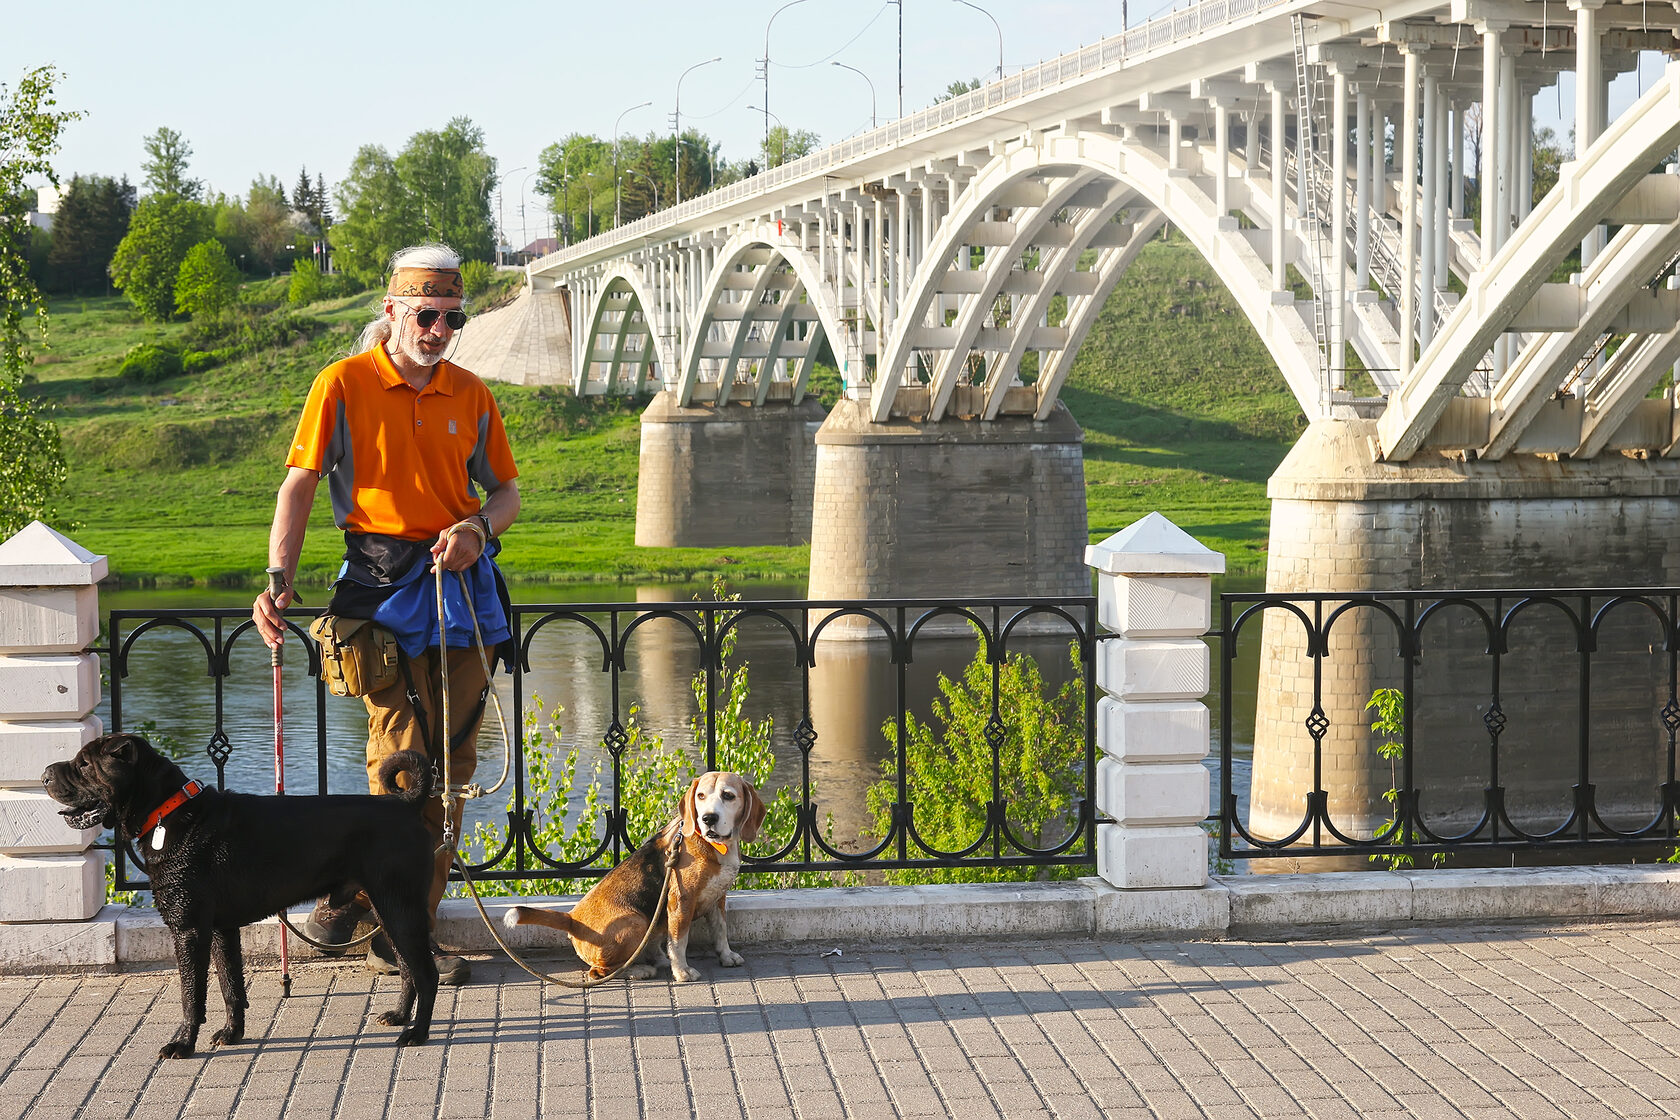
[(407, 440)]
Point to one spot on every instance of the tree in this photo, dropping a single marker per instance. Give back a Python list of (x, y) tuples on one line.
[(957, 89), (376, 216), (437, 188), (782, 146), (92, 217), (269, 225), (450, 178), (31, 462), (166, 165), (207, 281), (148, 260), (576, 175)]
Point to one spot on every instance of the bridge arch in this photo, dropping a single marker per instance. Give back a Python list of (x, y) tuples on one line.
[(623, 335), (756, 327), (1090, 157)]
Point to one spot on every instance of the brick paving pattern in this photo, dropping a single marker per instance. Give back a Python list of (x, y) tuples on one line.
[(1578, 1022)]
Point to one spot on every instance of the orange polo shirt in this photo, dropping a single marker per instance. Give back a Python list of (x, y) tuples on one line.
[(400, 462)]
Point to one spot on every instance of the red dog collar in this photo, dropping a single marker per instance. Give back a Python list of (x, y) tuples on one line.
[(179, 798)]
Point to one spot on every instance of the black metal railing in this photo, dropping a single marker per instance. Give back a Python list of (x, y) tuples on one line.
[(1527, 720), (615, 642)]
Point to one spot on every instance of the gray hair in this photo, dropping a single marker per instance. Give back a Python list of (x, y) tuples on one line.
[(431, 254)]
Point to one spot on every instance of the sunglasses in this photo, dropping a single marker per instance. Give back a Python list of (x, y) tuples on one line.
[(426, 316)]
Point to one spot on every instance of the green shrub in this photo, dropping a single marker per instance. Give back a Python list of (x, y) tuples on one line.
[(1040, 761), (305, 285), (197, 361), (149, 363), (476, 277)]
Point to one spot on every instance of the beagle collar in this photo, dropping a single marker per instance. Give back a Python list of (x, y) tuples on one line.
[(722, 849), (177, 799)]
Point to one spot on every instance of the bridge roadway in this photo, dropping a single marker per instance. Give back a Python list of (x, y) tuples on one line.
[(936, 252), (1572, 1021)]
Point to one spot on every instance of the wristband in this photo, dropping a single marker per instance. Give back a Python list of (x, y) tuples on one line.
[(489, 533)]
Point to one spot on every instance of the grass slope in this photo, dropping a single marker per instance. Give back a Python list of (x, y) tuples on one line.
[(1182, 408)]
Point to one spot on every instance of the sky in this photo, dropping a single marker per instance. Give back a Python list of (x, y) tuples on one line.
[(271, 89)]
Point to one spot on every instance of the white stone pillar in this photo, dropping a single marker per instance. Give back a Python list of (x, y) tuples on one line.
[(1154, 590), (49, 686)]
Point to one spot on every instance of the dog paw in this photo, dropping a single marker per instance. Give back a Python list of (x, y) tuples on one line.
[(393, 1019), (686, 975), (638, 972), (413, 1036), (227, 1036), (176, 1049), (729, 958)]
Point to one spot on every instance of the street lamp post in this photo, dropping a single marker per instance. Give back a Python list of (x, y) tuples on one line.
[(524, 235), (501, 235), (768, 117), (650, 182), (865, 77), (618, 211), (767, 24), (676, 117), (999, 30)]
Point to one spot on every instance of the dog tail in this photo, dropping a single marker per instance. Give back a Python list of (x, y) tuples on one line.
[(415, 767), (531, 916)]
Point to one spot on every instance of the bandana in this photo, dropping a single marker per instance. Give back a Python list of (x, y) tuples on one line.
[(443, 283)]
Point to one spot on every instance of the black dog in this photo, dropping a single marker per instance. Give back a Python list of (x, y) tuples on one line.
[(219, 861)]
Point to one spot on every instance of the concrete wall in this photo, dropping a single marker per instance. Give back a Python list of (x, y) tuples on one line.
[(908, 509), (730, 477), (1342, 521)]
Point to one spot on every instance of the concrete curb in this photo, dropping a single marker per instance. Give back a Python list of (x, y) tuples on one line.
[(1249, 906)]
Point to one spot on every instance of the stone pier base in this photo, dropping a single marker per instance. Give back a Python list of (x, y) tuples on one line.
[(1344, 522), (726, 477), (914, 509)]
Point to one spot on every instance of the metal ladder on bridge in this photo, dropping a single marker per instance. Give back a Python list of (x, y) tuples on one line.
[(1308, 98)]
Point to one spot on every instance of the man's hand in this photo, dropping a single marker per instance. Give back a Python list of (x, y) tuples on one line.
[(457, 547), (266, 614)]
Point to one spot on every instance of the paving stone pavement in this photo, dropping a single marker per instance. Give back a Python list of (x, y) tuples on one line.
[(1574, 1022)]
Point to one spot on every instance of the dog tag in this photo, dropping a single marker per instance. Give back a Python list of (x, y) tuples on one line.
[(157, 839)]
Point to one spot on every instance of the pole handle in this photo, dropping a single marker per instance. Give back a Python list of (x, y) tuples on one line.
[(276, 586)]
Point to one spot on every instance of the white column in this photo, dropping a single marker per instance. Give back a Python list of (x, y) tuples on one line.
[(1362, 173), (1338, 228), (1427, 216), (1280, 279), (1488, 172), (51, 883), (1442, 212), (1222, 159), (1155, 591), (1589, 101), (1408, 141), (1457, 132)]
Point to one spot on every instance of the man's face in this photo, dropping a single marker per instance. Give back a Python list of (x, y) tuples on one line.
[(422, 345)]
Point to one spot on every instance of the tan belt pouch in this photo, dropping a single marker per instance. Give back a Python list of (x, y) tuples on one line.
[(358, 656)]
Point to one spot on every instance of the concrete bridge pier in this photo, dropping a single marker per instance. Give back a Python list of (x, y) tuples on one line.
[(728, 476), (1343, 521), (915, 508)]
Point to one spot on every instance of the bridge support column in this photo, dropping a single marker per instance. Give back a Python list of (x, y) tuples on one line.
[(1344, 522), (726, 477), (908, 509), (52, 882)]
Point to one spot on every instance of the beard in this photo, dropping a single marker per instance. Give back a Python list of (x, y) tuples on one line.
[(414, 352)]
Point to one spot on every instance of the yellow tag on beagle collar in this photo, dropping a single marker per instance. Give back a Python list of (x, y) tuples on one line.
[(722, 849)]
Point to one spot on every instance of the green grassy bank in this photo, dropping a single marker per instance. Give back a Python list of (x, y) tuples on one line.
[(174, 479)]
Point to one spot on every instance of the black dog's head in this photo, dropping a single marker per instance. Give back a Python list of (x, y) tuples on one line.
[(112, 782)]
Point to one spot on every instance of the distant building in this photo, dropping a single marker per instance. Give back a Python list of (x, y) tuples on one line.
[(46, 205)]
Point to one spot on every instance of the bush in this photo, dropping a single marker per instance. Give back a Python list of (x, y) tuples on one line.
[(476, 277), (305, 285), (149, 363), (196, 361)]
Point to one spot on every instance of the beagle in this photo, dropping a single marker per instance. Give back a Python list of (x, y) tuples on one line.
[(720, 811)]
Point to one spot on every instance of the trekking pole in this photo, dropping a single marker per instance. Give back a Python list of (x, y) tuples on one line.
[(277, 585)]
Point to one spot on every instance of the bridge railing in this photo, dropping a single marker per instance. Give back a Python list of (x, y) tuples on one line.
[(1450, 725), (909, 791), (1161, 32)]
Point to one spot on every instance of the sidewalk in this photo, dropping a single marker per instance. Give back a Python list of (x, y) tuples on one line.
[(1576, 1021)]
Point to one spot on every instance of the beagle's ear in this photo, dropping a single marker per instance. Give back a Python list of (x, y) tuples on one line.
[(690, 825), (755, 813)]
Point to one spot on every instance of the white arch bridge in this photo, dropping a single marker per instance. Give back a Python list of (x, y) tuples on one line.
[(935, 251)]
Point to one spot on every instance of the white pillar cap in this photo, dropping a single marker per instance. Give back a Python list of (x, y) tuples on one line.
[(39, 556), (1154, 546)]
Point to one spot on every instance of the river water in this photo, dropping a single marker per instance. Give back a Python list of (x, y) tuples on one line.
[(853, 692)]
